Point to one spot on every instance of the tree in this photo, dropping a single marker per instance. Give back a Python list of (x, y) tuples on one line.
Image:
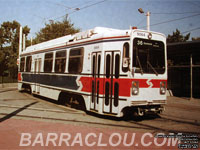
[(54, 30), (177, 37), (9, 44), (196, 39)]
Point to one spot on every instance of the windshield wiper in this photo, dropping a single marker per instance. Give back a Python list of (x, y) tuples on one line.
[(139, 64), (152, 67)]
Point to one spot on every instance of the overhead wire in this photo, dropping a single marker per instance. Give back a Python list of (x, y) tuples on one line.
[(67, 8), (87, 6), (167, 21), (75, 10), (174, 13), (92, 4), (194, 4), (140, 22), (177, 19), (59, 4), (73, 7), (80, 4), (190, 30)]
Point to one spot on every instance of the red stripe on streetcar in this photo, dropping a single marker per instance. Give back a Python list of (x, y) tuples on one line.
[(19, 76), (124, 84), (156, 83)]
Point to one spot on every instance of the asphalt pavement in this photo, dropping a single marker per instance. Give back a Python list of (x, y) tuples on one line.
[(55, 127)]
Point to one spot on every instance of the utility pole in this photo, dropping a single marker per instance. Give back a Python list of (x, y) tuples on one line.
[(20, 40), (191, 79), (148, 20), (148, 17)]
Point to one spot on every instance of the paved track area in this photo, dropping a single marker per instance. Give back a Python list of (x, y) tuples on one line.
[(23, 113)]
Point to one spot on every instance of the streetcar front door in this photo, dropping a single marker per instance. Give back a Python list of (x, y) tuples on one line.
[(37, 70), (95, 84), (111, 82)]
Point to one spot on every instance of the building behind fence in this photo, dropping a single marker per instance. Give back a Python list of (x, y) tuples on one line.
[(9, 77), (184, 69)]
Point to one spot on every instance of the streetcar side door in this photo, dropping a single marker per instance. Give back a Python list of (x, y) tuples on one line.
[(37, 70), (111, 82), (95, 84)]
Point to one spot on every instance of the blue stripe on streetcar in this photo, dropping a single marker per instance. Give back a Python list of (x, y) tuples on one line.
[(52, 80)]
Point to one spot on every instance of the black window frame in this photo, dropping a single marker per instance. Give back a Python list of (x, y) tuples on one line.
[(156, 64), (48, 62), (22, 64), (108, 65), (28, 63), (126, 57), (60, 61), (117, 66), (75, 64)]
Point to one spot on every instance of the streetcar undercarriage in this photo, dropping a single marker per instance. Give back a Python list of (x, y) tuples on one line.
[(140, 111)]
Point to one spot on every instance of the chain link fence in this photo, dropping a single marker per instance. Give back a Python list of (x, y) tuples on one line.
[(179, 81), (7, 79)]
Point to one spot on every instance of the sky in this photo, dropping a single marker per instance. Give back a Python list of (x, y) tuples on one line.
[(166, 15)]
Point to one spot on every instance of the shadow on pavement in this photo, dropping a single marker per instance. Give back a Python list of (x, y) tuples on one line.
[(16, 112)]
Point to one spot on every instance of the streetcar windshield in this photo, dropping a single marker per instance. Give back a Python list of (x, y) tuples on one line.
[(148, 56)]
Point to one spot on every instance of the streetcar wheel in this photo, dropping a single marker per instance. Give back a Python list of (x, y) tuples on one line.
[(63, 99)]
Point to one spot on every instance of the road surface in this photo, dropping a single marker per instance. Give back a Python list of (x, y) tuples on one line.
[(21, 113)]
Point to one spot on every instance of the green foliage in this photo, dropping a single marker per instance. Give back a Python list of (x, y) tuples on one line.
[(9, 44), (54, 30), (196, 39), (9, 40), (177, 37)]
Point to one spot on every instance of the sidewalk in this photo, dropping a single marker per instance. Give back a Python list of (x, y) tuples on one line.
[(183, 101), (180, 108), (8, 85)]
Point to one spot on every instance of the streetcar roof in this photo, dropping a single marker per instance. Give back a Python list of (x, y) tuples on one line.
[(96, 33)]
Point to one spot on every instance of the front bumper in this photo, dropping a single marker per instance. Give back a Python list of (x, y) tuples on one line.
[(148, 103)]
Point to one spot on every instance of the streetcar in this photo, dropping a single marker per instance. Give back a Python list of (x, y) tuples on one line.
[(103, 70)]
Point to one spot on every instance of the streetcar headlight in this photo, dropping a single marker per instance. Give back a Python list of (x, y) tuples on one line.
[(163, 87), (135, 88)]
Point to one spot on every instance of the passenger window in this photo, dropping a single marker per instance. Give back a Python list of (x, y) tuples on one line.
[(48, 62), (117, 60), (93, 65), (99, 65), (76, 60), (22, 63), (60, 61), (125, 59), (108, 63), (28, 63)]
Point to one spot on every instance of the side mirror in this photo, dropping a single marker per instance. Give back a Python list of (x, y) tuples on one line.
[(125, 64)]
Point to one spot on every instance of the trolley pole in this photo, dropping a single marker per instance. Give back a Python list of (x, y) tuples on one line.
[(191, 79)]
